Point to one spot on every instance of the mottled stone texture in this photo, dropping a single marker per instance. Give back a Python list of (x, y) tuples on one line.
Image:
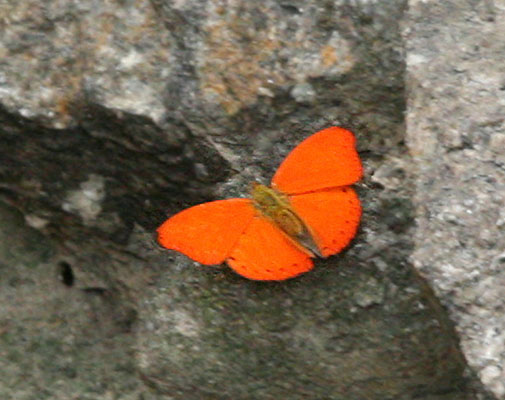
[(115, 114), (456, 134)]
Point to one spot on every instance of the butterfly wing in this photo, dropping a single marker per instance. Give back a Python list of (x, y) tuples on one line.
[(331, 215), (207, 232), (326, 159), (264, 252)]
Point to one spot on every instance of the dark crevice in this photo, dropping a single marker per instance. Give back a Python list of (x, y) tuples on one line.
[(66, 274)]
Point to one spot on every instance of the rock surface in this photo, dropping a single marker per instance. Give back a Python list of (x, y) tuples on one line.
[(456, 133), (114, 115)]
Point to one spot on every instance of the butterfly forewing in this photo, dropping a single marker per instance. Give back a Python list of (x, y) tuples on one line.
[(208, 232), (324, 160)]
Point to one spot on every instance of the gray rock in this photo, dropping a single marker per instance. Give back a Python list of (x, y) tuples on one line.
[(455, 130), (21, 245), (114, 115), (108, 53)]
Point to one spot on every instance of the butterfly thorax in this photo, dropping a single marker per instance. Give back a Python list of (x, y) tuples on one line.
[(276, 207)]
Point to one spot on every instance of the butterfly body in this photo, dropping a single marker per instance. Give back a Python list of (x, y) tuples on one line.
[(276, 206), (310, 209)]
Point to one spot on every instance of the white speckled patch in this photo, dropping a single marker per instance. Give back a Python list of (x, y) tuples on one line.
[(86, 201)]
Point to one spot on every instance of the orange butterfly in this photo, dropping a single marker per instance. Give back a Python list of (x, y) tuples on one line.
[(309, 210)]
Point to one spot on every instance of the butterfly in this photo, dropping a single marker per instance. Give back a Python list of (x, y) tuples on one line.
[(309, 210)]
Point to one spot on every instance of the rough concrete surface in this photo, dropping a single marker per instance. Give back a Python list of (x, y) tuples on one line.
[(114, 115)]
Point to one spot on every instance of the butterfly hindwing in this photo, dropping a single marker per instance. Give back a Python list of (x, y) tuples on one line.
[(264, 252), (332, 216), (208, 232), (324, 160)]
